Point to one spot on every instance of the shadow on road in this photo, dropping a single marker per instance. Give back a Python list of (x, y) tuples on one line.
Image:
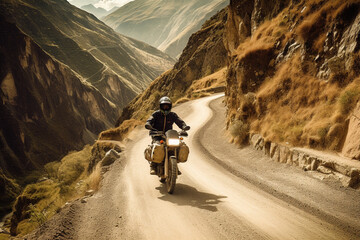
[(185, 195)]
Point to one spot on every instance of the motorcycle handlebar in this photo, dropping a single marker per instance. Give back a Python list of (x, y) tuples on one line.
[(156, 133)]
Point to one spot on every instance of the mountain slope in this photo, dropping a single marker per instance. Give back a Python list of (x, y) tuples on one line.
[(201, 65), (93, 50), (46, 110), (166, 25)]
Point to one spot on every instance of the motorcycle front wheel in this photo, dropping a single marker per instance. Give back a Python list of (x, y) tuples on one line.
[(172, 175)]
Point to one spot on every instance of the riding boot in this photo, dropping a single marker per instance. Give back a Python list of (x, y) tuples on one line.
[(153, 168)]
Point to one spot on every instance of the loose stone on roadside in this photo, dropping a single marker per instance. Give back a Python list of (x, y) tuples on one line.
[(328, 165)]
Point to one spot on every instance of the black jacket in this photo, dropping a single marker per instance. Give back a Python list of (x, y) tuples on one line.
[(156, 120)]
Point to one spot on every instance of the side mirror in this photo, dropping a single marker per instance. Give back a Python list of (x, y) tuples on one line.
[(183, 134), (186, 128)]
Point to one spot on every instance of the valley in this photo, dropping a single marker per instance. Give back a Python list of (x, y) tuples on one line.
[(271, 90)]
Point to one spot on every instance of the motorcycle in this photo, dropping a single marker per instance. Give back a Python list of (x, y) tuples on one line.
[(176, 151)]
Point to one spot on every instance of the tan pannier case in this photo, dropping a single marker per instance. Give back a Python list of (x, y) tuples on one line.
[(183, 152), (155, 153), (147, 153), (158, 153)]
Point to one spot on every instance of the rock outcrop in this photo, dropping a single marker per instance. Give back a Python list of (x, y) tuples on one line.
[(351, 147), (165, 24), (329, 165)]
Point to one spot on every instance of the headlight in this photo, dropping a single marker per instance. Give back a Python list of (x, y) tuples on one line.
[(173, 142)]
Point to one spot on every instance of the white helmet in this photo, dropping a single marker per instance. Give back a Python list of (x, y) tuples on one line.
[(165, 105)]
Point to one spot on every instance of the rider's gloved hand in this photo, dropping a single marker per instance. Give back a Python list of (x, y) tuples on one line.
[(186, 128)]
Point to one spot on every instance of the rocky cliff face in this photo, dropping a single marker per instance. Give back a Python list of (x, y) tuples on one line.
[(164, 24), (46, 110), (118, 66), (294, 74), (204, 55)]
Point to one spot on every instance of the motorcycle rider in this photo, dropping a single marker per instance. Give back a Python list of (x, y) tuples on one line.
[(163, 120)]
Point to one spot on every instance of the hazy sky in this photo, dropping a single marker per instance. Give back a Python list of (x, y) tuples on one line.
[(109, 4)]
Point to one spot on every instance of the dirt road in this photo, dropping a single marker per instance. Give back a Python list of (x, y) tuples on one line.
[(223, 193)]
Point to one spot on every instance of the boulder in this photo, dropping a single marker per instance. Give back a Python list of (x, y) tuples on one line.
[(89, 192), (351, 146), (254, 140), (110, 157), (324, 170), (273, 147), (284, 154), (354, 177), (275, 152), (267, 146), (295, 157), (314, 164)]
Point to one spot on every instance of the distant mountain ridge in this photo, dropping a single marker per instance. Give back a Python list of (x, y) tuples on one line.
[(118, 66), (98, 11), (165, 24)]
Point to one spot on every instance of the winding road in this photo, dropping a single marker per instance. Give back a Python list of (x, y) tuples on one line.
[(223, 193)]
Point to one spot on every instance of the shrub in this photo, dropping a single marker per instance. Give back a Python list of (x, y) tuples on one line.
[(52, 169), (36, 216), (240, 131), (348, 100)]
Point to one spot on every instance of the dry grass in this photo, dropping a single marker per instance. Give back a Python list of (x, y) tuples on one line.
[(68, 180), (120, 133), (94, 179), (299, 109), (295, 106), (319, 14), (4, 236), (209, 83), (291, 104), (182, 100), (46, 197)]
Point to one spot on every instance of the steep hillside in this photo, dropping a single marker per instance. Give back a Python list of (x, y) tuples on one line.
[(294, 72), (201, 65), (46, 110), (164, 24), (118, 66)]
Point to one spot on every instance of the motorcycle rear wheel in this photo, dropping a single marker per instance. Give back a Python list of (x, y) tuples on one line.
[(172, 175)]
